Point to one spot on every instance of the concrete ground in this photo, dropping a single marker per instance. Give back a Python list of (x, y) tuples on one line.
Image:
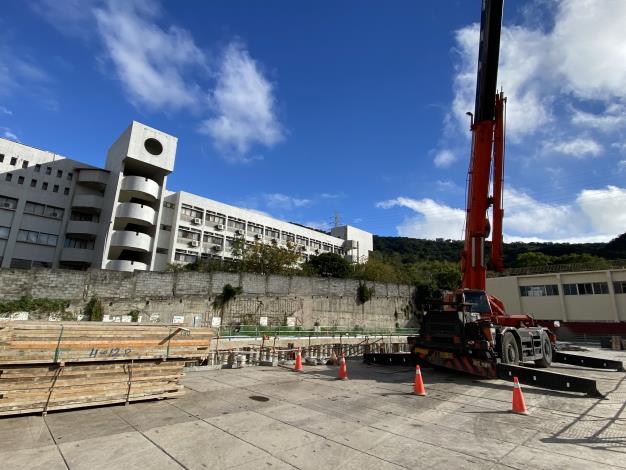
[(261, 417)]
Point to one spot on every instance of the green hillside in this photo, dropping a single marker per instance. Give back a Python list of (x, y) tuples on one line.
[(411, 250)]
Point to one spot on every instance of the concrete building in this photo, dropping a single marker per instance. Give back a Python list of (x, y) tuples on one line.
[(576, 299), (58, 212)]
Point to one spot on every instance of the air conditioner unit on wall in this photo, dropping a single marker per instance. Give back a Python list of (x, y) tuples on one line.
[(258, 236), (219, 226), (239, 231), (194, 243), (197, 221), (217, 247)]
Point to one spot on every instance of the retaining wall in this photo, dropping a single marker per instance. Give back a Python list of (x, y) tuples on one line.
[(188, 297)]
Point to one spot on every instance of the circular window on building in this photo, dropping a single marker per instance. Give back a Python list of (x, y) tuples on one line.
[(153, 146)]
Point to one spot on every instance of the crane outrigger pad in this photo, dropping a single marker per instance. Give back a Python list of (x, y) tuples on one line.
[(587, 361), (550, 380)]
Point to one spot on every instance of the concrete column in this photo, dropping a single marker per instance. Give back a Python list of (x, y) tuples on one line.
[(614, 309), (562, 298)]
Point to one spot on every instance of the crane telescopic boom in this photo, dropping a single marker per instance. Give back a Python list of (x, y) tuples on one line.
[(487, 140)]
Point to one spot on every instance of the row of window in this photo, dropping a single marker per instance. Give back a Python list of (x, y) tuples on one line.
[(13, 162), (81, 243), (33, 184), (44, 210), (39, 238), (232, 223), (192, 234), (580, 288)]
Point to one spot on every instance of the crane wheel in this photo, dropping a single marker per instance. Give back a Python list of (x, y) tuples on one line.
[(510, 350), (546, 350)]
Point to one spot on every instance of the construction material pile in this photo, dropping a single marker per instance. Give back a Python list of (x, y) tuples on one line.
[(48, 366)]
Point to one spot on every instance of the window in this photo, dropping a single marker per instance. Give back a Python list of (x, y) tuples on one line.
[(39, 238), (161, 251), (185, 256), (600, 288), (255, 229), (4, 232), (48, 170), (70, 175), (44, 186), (8, 203), (302, 241), (213, 239), (236, 224), (619, 287), (54, 212), (25, 164), (570, 289), (34, 208), (80, 243), (13, 161), (20, 180), (59, 173), (33, 183), (188, 234), (84, 216), (1, 157), (167, 228), (168, 205), (272, 233), (215, 217), (55, 188), (191, 213), (585, 288), (8, 177), (66, 191), (315, 245), (289, 237), (37, 167), (539, 291)]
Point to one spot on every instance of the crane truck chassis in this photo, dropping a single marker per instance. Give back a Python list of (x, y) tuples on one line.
[(471, 330)]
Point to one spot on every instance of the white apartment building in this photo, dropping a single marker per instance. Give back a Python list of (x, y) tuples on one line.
[(61, 213)]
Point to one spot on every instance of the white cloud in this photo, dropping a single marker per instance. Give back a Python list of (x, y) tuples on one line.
[(9, 134), (4, 110), (612, 119), (606, 208), (537, 66), (621, 165), (282, 201), (577, 148), (70, 17), (595, 215), (444, 158), (150, 61), (245, 105), (447, 186), (435, 220)]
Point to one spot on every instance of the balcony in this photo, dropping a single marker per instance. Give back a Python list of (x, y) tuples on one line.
[(125, 265), (134, 241), (131, 212), (88, 202), (93, 178), (77, 255), (138, 186), (81, 227)]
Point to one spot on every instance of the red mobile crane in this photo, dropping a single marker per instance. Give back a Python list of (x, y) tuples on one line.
[(472, 331)]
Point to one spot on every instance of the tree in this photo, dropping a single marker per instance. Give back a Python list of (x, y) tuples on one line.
[(329, 265), (533, 258), (262, 258)]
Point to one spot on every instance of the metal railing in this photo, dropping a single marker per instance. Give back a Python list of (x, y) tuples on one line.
[(322, 331), (559, 268)]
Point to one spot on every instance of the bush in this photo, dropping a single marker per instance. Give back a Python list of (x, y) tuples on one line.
[(228, 293), (94, 309), (364, 293)]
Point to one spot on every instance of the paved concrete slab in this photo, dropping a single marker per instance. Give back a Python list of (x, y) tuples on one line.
[(261, 417), (128, 450), (39, 458)]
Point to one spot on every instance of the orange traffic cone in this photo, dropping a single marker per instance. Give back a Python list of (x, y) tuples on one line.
[(298, 366), (519, 406), (343, 370), (418, 386)]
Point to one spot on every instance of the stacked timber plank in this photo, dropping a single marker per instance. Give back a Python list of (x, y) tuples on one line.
[(47, 366)]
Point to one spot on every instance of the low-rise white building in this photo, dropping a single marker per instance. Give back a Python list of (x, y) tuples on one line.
[(59, 212)]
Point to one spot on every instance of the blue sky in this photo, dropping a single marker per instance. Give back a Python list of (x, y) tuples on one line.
[(302, 109)]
